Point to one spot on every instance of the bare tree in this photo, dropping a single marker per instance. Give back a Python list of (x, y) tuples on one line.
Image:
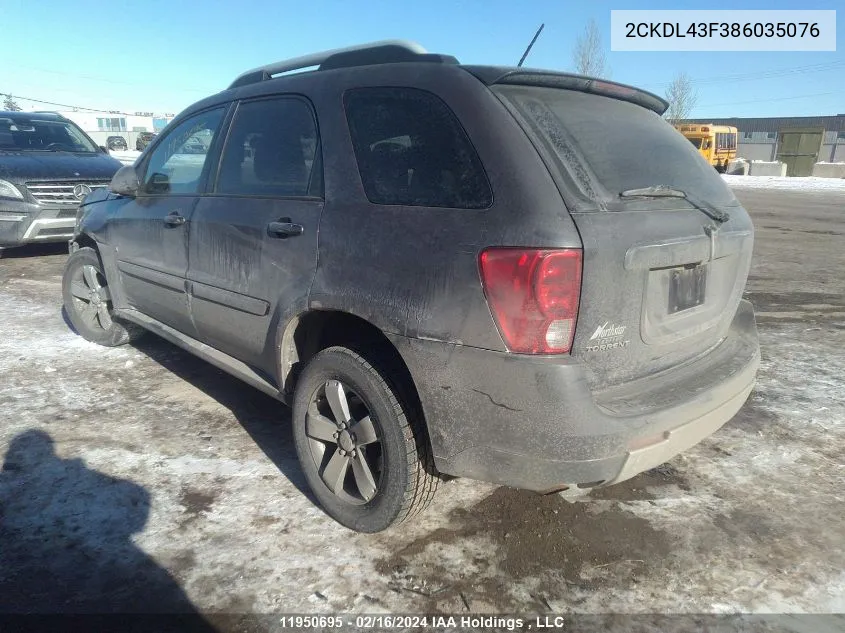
[(682, 98), (588, 56), (10, 104)]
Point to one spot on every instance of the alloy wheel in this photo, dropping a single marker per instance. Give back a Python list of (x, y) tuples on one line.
[(91, 297), (344, 442)]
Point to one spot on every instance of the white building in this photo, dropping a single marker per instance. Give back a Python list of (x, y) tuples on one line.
[(101, 125)]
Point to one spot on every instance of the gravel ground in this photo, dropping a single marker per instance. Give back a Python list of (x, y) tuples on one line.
[(142, 479)]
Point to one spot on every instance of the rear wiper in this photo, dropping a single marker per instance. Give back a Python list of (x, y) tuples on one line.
[(662, 191)]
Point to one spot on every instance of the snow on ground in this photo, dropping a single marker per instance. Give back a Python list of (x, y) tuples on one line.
[(127, 157), (805, 183), (167, 477)]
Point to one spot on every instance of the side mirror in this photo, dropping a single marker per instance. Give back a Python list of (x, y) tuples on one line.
[(125, 182), (104, 149)]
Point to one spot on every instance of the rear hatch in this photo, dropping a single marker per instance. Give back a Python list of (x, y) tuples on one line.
[(667, 247)]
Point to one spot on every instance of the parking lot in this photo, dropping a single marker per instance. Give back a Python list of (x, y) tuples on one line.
[(142, 478)]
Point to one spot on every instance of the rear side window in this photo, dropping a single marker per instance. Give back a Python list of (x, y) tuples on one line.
[(411, 150), (625, 145), (272, 150)]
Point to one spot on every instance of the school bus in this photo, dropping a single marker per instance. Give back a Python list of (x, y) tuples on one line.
[(717, 143)]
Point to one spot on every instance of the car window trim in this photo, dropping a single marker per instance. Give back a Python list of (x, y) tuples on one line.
[(202, 185), (215, 181)]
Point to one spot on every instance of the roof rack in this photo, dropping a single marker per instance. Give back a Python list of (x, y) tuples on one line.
[(383, 52)]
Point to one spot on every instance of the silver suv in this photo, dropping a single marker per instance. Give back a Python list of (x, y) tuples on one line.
[(47, 166)]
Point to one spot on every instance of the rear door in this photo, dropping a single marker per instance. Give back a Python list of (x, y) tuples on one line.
[(150, 231), (253, 238), (661, 279)]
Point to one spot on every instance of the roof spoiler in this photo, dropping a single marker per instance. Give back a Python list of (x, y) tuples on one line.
[(582, 83)]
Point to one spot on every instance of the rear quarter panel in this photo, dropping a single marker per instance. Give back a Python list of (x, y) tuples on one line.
[(413, 271)]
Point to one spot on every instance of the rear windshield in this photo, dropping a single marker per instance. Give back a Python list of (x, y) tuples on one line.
[(625, 145), (34, 134)]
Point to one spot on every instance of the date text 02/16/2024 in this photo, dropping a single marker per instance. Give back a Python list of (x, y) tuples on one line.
[(421, 622)]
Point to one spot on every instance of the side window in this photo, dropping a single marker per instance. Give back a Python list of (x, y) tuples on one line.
[(176, 164), (272, 150), (411, 150)]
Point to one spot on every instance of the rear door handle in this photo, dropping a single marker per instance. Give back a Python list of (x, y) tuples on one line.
[(174, 218), (284, 228)]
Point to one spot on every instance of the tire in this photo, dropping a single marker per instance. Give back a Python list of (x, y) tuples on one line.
[(92, 317), (393, 446)]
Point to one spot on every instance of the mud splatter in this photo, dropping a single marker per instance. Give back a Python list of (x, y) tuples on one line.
[(196, 502), (530, 536)]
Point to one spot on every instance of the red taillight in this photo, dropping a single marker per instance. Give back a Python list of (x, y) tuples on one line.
[(533, 295)]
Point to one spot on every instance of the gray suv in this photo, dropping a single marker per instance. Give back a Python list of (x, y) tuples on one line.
[(519, 276), (47, 166)]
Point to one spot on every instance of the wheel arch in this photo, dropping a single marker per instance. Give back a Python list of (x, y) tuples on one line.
[(84, 240), (314, 330), (108, 263)]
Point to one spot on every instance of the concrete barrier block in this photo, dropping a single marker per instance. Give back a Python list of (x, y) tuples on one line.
[(829, 170), (738, 167), (765, 168)]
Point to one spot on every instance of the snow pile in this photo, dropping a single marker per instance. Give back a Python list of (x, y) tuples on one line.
[(803, 183)]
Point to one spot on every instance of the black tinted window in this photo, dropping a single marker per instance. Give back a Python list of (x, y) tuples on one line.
[(411, 150), (272, 150)]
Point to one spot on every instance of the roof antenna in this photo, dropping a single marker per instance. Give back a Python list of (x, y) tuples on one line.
[(528, 50)]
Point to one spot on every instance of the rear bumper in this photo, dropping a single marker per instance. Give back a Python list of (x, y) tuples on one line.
[(23, 223), (532, 422)]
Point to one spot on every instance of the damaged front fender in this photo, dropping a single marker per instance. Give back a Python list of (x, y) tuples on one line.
[(92, 214)]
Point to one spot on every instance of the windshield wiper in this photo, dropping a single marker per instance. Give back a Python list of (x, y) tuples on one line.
[(663, 191)]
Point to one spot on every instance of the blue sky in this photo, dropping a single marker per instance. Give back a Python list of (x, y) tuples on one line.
[(157, 55)]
